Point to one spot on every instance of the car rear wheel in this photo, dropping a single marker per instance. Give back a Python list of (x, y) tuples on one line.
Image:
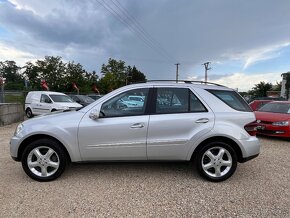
[(29, 113), (216, 161), (44, 160)]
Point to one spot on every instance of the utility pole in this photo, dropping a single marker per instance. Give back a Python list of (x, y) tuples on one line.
[(177, 71), (206, 68)]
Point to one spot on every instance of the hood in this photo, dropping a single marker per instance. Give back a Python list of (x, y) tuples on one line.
[(55, 118), (271, 117)]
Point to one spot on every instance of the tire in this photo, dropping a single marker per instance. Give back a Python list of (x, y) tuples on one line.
[(44, 160), (28, 113), (216, 161)]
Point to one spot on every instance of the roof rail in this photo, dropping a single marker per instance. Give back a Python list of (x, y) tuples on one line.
[(187, 81)]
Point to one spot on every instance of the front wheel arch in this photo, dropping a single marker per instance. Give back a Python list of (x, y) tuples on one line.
[(30, 139)]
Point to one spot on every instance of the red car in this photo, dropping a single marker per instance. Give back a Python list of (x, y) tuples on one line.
[(274, 119), (257, 104)]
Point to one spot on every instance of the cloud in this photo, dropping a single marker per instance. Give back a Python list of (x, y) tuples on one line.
[(253, 56), (245, 82), (240, 32), (11, 53)]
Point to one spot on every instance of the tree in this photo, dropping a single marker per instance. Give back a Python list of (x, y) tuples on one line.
[(52, 70), (135, 75), (10, 71), (114, 75), (117, 74), (260, 89), (32, 75)]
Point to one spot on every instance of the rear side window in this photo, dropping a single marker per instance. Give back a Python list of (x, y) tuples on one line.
[(177, 100), (232, 99)]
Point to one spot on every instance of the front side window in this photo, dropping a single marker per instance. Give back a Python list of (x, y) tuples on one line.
[(125, 104), (45, 99), (177, 100)]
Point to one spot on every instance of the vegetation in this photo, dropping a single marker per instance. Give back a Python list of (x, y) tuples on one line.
[(66, 77)]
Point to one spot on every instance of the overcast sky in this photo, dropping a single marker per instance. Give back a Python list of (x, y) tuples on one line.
[(246, 41)]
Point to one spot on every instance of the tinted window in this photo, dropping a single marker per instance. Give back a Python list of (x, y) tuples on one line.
[(177, 100), (231, 98), (45, 99), (122, 105), (195, 104), (276, 108), (61, 98)]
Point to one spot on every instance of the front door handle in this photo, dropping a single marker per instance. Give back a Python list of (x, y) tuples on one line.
[(137, 125), (202, 120)]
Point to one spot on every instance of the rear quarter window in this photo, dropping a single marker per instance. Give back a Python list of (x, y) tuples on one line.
[(232, 99)]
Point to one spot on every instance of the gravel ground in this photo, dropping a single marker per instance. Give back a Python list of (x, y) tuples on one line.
[(259, 188)]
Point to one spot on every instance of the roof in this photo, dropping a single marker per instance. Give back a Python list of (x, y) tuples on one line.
[(182, 83)]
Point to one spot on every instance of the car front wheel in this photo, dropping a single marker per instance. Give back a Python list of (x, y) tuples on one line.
[(216, 161), (44, 160), (28, 113)]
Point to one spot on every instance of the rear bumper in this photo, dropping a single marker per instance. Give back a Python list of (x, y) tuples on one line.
[(250, 148), (243, 160)]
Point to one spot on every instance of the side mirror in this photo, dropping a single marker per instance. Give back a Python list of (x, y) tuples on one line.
[(94, 114)]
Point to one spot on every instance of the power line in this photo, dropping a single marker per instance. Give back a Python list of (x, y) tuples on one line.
[(140, 28), (128, 20)]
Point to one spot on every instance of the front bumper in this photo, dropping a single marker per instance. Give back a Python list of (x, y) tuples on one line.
[(14, 146)]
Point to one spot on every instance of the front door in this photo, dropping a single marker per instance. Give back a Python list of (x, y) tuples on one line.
[(120, 131)]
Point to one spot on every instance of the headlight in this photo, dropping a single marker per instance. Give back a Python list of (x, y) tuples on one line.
[(18, 129), (65, 108), (281, 123)]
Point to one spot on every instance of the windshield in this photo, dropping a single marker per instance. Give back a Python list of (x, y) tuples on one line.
[(61, 98), (283, 108), (86, 99)]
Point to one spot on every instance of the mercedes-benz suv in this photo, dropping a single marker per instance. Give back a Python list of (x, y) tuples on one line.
[(208, 124)]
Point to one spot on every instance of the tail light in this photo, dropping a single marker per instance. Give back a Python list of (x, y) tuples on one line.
[(251, 128)]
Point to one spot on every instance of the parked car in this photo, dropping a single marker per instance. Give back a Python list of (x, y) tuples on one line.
[(274, 119), (257, 104), (210, 125), (82, 99), (94, 96), (44, 102)]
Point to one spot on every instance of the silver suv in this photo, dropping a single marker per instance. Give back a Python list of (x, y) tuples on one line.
[(208, 124)]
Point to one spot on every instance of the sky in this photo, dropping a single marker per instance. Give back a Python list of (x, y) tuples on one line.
[(245, 41)]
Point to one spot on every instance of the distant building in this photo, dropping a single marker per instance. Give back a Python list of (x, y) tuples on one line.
[(283, 88)]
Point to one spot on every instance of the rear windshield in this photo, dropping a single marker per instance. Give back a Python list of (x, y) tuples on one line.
[(232, 99), (281, 108)]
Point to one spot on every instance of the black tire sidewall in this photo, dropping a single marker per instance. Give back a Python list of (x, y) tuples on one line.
[(29, 113), (198, 161), (47, 143)]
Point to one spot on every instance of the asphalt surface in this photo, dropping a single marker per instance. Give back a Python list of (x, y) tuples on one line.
[(259, 188)]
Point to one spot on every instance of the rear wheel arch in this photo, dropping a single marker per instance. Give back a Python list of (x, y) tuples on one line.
[(33, 138), (229, 141)]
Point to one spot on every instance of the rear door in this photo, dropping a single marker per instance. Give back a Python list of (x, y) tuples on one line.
[(177, 120)]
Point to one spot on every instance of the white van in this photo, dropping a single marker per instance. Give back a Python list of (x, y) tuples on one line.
[(43, 102)]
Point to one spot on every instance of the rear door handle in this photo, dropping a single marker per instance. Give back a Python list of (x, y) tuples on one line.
[(202, 120), (137, 125)]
